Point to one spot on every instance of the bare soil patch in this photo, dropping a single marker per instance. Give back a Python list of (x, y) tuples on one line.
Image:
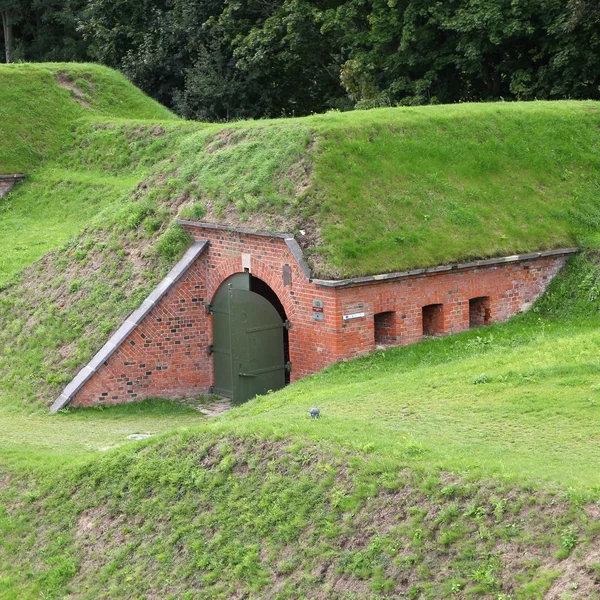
[(64, 81)]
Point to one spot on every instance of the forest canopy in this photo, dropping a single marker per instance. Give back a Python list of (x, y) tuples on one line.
[(217, 60)]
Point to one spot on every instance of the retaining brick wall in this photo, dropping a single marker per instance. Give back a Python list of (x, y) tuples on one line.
[(167, 354), (7, 182)]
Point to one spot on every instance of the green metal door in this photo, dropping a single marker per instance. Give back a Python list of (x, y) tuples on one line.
[(248, 342)]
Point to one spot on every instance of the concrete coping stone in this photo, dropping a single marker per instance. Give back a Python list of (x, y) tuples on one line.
[(335, 283), (12, 177), (298, 254), (134, 319)]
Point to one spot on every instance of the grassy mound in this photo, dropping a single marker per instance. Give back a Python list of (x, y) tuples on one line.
[(374, 191), (400, 188), (45, 112), (90, 231), (40, 105), (207, 516), (459, 467)]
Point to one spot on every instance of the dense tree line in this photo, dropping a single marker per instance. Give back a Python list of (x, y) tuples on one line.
[(224, 59)]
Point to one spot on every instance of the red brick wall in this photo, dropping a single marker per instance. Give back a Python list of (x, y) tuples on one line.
[(510, 287), (5, 186), (167, 355)]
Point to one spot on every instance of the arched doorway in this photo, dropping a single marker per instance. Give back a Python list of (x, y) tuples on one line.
[(250, 341)]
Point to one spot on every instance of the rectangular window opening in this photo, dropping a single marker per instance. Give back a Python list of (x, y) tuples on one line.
[(384, 328), (479, 311), (433, 320)]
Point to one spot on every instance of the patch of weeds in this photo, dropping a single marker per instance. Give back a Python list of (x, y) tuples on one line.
[(568, 541), (173, 243), (134, 214), (196, 211), (595, 569), (75, 286), (499, 508), (536, 589), (448, 514), (453, 534), (487, 575)]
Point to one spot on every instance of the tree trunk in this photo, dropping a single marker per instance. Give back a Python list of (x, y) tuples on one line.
[(8, 35)]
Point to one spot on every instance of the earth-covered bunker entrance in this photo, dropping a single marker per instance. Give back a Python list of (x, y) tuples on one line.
[(168, 347)]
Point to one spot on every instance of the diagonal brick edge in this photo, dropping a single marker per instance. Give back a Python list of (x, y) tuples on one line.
[(193, 252)]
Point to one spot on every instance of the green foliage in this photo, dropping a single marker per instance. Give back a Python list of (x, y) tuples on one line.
[(173, 243), (576, 291), (217, 61), (45, 30), (481, 378), (214, 61)]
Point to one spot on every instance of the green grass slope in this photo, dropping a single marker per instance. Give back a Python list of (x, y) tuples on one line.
[(461, 467), (41, 104), (90, 232), (457, 468), (374, 191), (400, 188), (44, 109)]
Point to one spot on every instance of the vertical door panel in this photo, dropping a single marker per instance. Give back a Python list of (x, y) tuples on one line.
[(257, 345), (223, 371)]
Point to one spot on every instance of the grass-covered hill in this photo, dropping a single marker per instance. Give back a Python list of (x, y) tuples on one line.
[(457, 468), (90, 231), (41, 104), (375, 191)]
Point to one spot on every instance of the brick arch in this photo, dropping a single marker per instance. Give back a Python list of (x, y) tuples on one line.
[(232, 266)]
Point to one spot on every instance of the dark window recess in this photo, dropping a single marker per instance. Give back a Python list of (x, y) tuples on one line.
[(433, 319), (384, 327), (479, 311)]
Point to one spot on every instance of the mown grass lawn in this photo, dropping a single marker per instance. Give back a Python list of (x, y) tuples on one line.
[(464, 465), (31, 441), (511, 401), (429, 463)]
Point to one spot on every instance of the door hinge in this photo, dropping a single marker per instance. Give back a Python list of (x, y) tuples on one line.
[(209, 309), (287, 324), (288, 366), (211, 349)]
